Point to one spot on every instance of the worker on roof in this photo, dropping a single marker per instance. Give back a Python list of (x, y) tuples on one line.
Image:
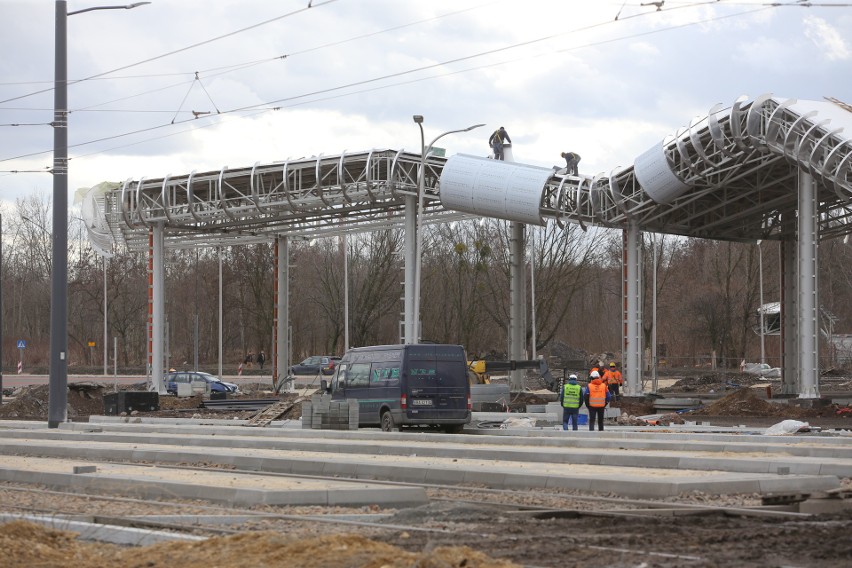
[(571, 398), (572, 159), (613, 379), (497, 140), (596, 398)]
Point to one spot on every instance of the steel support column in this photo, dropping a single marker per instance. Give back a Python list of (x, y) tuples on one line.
[(517, 302), (282, 308), (410, 245), (633, 328), (789, 319), (808, 240), (158, 314), (221, 315)]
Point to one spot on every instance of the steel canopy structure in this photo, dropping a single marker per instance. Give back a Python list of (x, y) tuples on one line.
[(764, 168), (312, 197), (731, 176)]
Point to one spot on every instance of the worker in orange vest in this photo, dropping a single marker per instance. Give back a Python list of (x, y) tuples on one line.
[(612, 378), (596, 398), (596, 368)]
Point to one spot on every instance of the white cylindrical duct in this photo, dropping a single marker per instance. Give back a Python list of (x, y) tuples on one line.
[(494, 188), (656, 176)]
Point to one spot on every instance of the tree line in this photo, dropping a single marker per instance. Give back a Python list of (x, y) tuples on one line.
[(708, 293)]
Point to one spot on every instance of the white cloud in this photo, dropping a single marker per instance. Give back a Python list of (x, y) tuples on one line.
[(604, 88), (644, 49), (827, 38)]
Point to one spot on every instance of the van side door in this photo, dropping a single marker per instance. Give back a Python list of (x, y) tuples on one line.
[(358, 388)]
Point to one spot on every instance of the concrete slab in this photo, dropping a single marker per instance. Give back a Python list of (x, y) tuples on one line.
[(645, 481), (215, 486), (635, 451), (371, 453), (102, 533)]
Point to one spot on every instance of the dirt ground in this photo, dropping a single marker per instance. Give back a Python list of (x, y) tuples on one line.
[(474, 536), (471, 535), (26, 545), (87, 399)]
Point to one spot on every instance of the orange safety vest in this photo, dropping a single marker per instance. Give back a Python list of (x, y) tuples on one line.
[(597, 394), (612, 377)]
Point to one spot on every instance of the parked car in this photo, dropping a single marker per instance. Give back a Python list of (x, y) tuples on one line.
[(216, 385), (315, 365)]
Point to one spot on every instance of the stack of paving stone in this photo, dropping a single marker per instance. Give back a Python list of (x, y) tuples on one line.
[(322, 413)]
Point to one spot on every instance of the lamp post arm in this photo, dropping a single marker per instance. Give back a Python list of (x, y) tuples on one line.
[(438, 137), (421, 190), (125, 7)]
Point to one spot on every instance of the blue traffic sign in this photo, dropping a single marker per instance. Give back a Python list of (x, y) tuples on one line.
[(22, 344)]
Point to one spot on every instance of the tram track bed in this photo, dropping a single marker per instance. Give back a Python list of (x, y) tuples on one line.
[(483, 520), (527, 526)]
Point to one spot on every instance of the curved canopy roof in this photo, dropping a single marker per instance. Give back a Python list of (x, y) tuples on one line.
[(730, 175)]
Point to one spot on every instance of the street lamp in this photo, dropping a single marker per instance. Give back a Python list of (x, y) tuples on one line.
[(424, 151), (58, 396)]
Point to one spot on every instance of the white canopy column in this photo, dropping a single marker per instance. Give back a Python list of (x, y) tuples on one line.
[(632, 364), (808, 239), (517, 281), (281, 356), (157, 309)]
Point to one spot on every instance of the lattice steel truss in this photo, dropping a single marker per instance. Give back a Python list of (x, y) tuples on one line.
[(735, 178), (313, 197), (739, 168)]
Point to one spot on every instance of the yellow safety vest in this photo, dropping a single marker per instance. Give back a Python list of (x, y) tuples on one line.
[(571, 396)]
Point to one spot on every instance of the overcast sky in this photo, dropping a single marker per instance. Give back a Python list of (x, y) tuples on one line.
[(605, 79)]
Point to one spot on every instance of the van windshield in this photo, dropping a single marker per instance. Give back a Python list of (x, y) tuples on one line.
[(434, 373)]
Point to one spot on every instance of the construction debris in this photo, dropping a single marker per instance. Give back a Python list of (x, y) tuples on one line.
[(265, 416), (744, 402)]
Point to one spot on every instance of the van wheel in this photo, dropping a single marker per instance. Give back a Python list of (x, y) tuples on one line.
[(388, 425)]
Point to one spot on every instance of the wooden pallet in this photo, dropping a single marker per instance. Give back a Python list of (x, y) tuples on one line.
[(272, 412)]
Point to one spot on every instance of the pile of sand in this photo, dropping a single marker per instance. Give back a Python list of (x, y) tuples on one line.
[(26, 545), (744, 402)]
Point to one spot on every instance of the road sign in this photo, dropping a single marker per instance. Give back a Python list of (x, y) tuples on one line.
[(91, 344), (22, 344)]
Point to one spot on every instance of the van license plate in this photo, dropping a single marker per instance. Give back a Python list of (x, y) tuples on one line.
[(421, 402)]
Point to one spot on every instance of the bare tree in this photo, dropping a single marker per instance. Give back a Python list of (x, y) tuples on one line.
[(458, 264)]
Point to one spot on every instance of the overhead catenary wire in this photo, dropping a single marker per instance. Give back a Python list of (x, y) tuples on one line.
[(182, 49), (263, 107), (247, 64), (275, 104)]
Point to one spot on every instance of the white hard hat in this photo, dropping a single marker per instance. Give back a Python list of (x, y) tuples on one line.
[(595, 375), (572, 376)]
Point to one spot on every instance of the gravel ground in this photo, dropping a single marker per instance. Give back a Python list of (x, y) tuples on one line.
[(474, 534), (477, 528)]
